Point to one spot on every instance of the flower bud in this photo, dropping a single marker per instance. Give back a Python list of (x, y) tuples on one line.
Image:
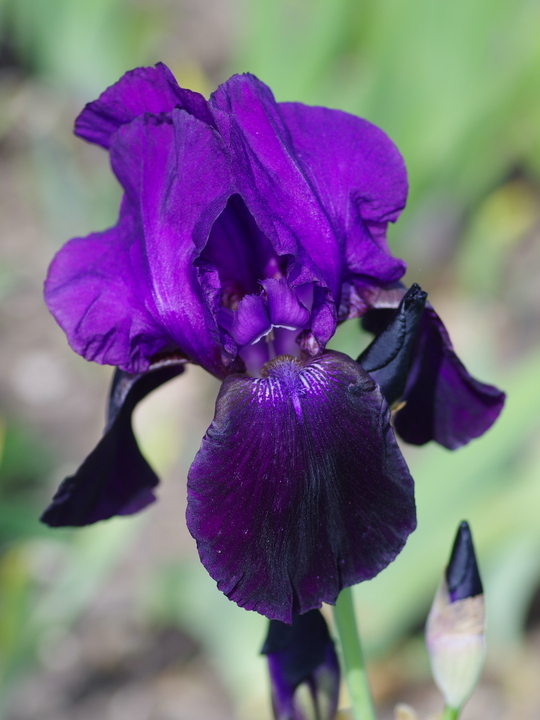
[(455, 626), (304, 669)]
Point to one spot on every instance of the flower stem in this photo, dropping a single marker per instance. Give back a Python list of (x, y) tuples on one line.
[(353, 661), (450, 713)]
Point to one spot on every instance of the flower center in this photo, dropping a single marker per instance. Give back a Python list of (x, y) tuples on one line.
[(283, 367)]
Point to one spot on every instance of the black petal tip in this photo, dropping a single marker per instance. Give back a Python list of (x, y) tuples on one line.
[(462, 575), (414, 298)]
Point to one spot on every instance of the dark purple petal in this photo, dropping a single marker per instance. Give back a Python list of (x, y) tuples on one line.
[(115, 479), (302, 653), (388, 357), (124, 294), (143, 90), (442, 401), (285, 308), (462, 575), (299, 488)]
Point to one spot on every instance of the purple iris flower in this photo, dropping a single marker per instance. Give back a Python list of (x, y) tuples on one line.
[(247, 230)]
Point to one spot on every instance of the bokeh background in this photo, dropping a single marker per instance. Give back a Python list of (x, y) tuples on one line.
[(119, 620)]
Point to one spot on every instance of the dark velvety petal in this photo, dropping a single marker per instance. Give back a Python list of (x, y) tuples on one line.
[(143, 90), (302, 653), (299, 488), (285, 308), (388, 358), (124, 294), (442, 401), (115, 479), (462, 575)]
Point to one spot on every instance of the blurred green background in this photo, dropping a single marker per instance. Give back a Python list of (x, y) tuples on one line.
[(119, 620)]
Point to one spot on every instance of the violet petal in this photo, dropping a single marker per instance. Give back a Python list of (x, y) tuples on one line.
[(276, 190), (359, 177), (139, 91), (250, 320), (115, 479), (284, 307), (240, 251), (299, 488), (124, 294)]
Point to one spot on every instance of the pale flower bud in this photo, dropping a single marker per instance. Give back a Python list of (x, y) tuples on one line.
[(455, 626)]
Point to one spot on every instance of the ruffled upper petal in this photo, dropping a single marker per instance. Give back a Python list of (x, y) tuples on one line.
[(124, 294), (359, 177), (321, 184), (276, 190), (299, 488), (115, 479), (94, 292), (143, 90)]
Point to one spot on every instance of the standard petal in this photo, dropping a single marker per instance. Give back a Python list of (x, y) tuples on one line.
[(143, 90), (276, 190), (442, 401), (95, 289), (176, 176), (321, 184), (115, 479), (299, 488), (125, 294), (359, 177)]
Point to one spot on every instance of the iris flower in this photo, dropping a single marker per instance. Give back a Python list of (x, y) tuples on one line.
[(248, 229)]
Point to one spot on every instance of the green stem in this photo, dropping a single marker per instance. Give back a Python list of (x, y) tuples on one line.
[(353, 661), (450, 713)]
